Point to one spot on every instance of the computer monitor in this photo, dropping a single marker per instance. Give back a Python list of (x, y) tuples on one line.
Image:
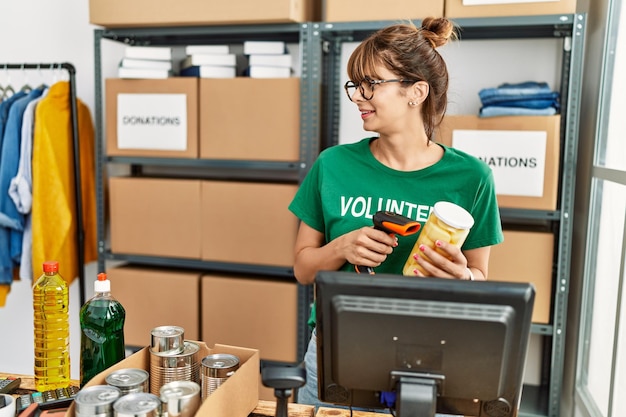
[(422, 345)]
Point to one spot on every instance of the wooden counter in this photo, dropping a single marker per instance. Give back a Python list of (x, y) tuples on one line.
[(268, 409), (336, 412), (263, 409)]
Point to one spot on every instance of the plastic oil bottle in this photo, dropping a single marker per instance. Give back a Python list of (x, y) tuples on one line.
[(52, 329), (102, 331)]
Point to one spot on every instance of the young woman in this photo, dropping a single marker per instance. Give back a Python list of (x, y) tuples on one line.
[(399, 83)]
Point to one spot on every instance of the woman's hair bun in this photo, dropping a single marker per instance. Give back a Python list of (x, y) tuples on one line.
[(438, 30)]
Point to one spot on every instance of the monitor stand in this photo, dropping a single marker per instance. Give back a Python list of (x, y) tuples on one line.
[(417, 396)]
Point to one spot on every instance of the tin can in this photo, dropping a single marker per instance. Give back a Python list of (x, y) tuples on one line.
[(96, 401), (216, 369), (167, 340), (180, 398), (138, 404), (129, 380), (184, 366)]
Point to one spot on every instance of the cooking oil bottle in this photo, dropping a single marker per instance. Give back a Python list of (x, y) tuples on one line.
[(52, 329), (102, 331)]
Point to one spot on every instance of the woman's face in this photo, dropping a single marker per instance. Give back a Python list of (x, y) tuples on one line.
[(388, 111)]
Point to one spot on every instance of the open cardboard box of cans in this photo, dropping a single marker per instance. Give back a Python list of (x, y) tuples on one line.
[(235, 397)]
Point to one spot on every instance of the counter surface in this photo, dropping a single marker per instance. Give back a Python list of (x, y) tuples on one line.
[(336, 412), (263, 409)]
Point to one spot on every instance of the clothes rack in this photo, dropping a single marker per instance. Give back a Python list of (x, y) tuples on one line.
[(80, 234)]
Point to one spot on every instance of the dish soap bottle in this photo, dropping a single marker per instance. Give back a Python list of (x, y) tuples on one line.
[(102, 331), (52, 329)]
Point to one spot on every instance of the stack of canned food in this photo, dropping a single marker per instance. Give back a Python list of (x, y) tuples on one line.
[(172, 358), (170, 389), (177, 399)]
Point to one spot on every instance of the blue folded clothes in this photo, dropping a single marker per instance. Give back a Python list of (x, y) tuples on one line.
[(538, 85), (528, 98), (521, 90), (491, 111), (551, 100)]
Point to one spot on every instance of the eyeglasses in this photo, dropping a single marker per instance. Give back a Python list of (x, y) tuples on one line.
[(366, 87)]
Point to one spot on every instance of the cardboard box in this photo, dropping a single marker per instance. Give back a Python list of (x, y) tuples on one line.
[(526, 257), (154, 118), (121, 13), (167, 297), (399, 10), (236, 397), (474, 8), (248, 222), (523, 152), (237, 120), (251, 312), (155, 217)]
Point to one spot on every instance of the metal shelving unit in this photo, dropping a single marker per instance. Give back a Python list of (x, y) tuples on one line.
[(543, 400), (292, 171), (320, 46)]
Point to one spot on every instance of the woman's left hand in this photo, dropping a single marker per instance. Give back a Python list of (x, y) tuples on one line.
[(445, 261)]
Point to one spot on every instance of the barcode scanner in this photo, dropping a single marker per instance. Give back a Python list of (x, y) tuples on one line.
[(391, 223)]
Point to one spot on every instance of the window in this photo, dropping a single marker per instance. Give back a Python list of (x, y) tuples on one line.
[(601, 367)]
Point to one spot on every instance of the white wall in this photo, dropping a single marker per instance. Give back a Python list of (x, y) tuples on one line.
[(41, 31), (58, 31)]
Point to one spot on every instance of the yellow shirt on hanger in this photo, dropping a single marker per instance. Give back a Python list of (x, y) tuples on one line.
[(53, 211)]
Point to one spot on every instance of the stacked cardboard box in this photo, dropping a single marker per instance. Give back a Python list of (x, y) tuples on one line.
[(168, 297), (187, 117), (527, 256), (223, 221), (491, 8), (230, 309), (121, 13), (253, 312), (522, 150), (154, 118), (269, 132), (398, 10), (157, 217), (248, 222)]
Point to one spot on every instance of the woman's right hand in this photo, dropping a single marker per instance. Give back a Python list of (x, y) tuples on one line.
[(366, 246)]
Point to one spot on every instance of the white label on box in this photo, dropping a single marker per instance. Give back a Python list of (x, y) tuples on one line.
[(483, 2), (516, 157), (152, 121)]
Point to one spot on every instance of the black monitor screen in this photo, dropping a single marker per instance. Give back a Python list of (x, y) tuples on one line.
[(422, 345)]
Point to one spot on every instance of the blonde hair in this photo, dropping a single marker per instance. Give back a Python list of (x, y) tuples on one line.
[(410, 52)]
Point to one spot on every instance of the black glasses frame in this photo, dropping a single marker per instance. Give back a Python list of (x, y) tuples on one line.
[(372, 83)]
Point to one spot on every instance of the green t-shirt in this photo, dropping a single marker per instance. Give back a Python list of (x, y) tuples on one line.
[(347, 185)]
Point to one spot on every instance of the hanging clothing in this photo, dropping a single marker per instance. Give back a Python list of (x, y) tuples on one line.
[(54, 210), (5, 106), (11, 220), (21, 187)]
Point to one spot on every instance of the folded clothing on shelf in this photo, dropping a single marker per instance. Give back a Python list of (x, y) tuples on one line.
[(526, 98)]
